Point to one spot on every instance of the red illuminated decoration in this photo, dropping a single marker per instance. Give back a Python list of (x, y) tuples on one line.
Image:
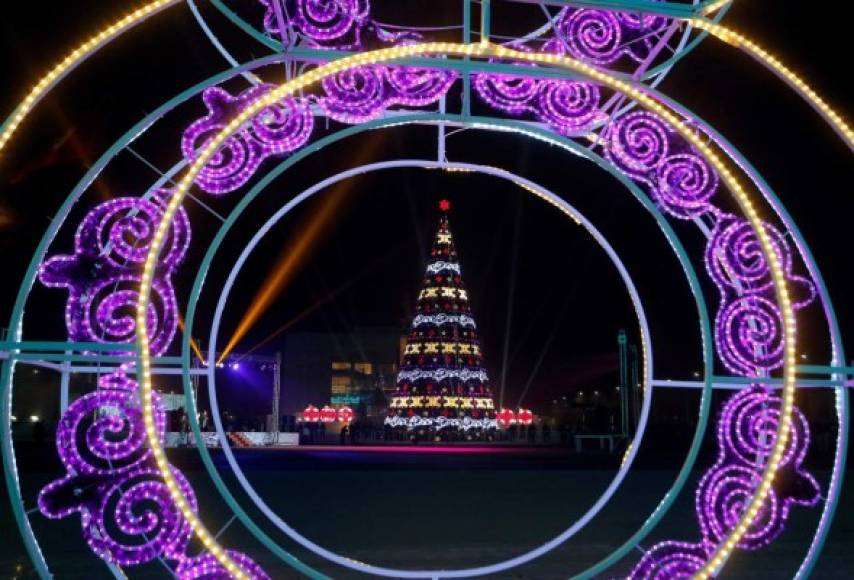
[(524, 417), (345, 414), (311, 414), (328, 414), (445, 205), (506, 417)]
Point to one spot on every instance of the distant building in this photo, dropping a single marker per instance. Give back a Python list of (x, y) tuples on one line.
[(357, 369)]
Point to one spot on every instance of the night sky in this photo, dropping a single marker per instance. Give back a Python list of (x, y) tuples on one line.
[(568, 302)]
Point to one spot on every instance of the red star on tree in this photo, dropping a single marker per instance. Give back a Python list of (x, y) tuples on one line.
[(445, 205)]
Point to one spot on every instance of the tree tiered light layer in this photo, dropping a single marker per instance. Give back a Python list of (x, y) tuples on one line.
[(442, 383)]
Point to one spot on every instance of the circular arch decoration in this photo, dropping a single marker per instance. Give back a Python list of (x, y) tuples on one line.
[(754, 501), (492, 66), (344, 561)]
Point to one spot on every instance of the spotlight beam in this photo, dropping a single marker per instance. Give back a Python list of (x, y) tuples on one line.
[(294, 254), (297, 250), (314, 307)]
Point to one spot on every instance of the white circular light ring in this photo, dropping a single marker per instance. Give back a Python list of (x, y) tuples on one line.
[(504, 565)]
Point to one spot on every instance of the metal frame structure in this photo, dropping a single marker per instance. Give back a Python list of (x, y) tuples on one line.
[(90, 357)]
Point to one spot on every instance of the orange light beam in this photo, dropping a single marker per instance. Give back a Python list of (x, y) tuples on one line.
[(193, 344), (294, 254), (297, 250), (309, 310)]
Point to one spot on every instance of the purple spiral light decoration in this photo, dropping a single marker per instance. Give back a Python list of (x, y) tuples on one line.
[(126, 512), (671, 561), (364, 93), (748, 333), (101, 433), (603, 37), (684, 185), (679, 180), (746, 432), (136, 520), (569, 106), (591, 35), (417, 86), (638, 144), (735, 259), (724, 493), (278, 129), (355, 95), (737, 265), (324, 23), (103, 274), (206, 567), (749, 423)]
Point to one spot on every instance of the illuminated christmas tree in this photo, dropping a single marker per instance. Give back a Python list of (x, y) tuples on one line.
[(442, 385)]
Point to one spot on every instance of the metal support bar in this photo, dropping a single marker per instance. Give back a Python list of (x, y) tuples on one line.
[(277, 391), (738, 383), (466, 104), (64, 383), (485, 20)]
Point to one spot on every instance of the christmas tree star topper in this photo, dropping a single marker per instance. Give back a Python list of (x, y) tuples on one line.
[(445, 205)]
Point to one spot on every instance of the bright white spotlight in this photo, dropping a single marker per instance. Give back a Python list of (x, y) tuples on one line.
[(235, 366)]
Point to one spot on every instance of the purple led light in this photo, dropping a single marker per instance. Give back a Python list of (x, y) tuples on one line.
[(603, 37), (364, 93), (324, 23), (569, 107), (591, 35), (670, 561), (103, 274), (748, 323), (680, 181), (281, 128), (746, 433), (206, 567), (126, 513)]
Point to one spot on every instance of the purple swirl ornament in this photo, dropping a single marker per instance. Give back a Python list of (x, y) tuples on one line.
[(513, 94), (746, 434), (570, 107), (670, 561), (355, 95), (323, 23), (416, 86), (364, 93), (748, 335), (748, 426), (136, 520), (638, 144), (734, 256), (126, 512), (724, 493), (278, 129), (736, 263), (206, 567), (102, 433), (590, 35), (102, 277), (684, 184)]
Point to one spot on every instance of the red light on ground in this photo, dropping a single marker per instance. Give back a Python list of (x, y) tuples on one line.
[(345, 414), (328, 414), (524, 417), (505, 417), (311, 414)]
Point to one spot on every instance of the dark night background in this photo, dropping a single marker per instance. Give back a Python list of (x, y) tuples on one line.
[(568, 301)]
